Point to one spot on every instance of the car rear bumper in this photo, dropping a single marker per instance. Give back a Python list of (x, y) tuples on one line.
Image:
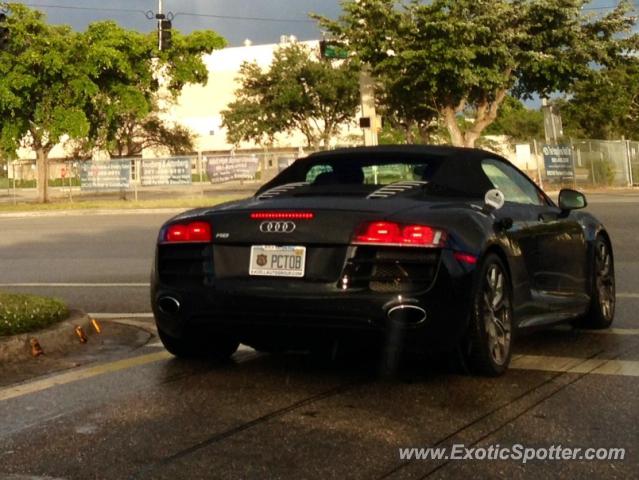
[(262, 312)]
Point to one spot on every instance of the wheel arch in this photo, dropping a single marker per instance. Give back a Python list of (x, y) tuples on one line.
[(604, 233), (601, 231), (501, 253), (519, 288)]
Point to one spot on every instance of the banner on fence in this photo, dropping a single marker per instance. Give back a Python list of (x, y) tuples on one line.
[(112, 174), (227, 169), (559, 162), (166, 171)]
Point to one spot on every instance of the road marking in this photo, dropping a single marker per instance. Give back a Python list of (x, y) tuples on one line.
[(82, 374), (628, 295), (75, 285), (117, 316), (614, 331), (599, 366)]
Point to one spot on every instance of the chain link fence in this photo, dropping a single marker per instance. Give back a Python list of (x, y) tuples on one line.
[(577, 164), (129, 177), (580, 163)]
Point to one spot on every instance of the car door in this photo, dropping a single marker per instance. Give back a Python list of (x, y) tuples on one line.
[(558, 263), (519, 207), (562, 250)]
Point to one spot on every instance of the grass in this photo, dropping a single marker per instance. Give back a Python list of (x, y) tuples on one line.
[(177, 203), (54, 182), (26, 313)]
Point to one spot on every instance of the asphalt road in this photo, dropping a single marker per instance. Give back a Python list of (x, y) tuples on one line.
[(137, 413)]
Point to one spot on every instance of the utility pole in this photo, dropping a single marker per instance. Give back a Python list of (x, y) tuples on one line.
[(165, 26), (369, 121), (160, 17)]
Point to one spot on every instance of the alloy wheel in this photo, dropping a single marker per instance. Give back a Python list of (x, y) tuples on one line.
[(496, 314), (605, 280)]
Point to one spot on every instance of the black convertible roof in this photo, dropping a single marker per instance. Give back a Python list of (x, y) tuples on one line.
[(438, 150), (461, 170)]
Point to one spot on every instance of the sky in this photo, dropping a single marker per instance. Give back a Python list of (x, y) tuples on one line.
[(192, 15)]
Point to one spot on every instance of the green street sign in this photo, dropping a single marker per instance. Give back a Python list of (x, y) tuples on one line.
[(333, 50)]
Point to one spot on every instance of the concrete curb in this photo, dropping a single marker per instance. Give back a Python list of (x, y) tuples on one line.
[(52, 339)]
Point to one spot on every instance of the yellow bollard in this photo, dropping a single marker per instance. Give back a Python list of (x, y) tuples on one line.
[(81, 335), (36, 349), (96, 326)]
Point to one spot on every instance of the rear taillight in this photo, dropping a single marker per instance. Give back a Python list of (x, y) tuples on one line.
[(396, 234), (194, 232)]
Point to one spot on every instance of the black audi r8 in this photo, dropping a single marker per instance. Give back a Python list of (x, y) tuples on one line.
[(443, 248)]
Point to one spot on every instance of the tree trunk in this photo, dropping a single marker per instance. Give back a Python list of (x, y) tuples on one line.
[(43, 174), (424, 133), (470, 137), (456, 134), (485, 114)]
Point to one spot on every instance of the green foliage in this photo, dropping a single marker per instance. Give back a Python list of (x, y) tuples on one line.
[(462, 57), (605, 106), (517, 121), (44, 84), (297, 93), (27, 313), (101, 89), (136, 83), (601, 172)]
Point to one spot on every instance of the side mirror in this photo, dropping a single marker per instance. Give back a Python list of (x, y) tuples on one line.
[(571, 200), (493, 200)]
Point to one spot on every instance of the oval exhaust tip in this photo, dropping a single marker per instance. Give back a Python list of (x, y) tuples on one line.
[(169, 305), (408, 315)]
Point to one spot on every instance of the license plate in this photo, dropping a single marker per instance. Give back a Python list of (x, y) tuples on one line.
[(274, 261)]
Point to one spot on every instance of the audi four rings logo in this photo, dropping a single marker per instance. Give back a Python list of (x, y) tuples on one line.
[(277, 227)]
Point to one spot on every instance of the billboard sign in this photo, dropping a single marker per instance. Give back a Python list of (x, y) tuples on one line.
[(166, 171), (228, 169), (559, 162), (112, 174)]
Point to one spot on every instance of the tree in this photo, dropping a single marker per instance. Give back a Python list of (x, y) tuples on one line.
[(464, 56), (136, 86), (606, 106), (297, 93), (406, 112), (43, 88), (94, 88), (517, 122)]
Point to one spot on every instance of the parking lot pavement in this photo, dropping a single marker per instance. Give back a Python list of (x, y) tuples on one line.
[(147, 415), (142, 414)]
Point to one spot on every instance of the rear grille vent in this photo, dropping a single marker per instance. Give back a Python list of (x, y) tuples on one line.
[(396, 188), (391, 270), (276, 191), (187, 265)]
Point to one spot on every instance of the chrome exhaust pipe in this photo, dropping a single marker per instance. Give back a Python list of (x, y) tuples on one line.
[(408, 315), (169, 305)]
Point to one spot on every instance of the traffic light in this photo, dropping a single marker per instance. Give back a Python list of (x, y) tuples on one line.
[(165, 34), (4, 31)]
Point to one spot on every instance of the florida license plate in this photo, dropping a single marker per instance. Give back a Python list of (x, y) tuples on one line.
[(274, 261)]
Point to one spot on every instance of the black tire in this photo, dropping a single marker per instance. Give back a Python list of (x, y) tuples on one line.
[(486, 348), (216, 347), (601, 312)]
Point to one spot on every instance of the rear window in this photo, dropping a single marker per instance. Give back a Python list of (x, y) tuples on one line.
[(383, 174)]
